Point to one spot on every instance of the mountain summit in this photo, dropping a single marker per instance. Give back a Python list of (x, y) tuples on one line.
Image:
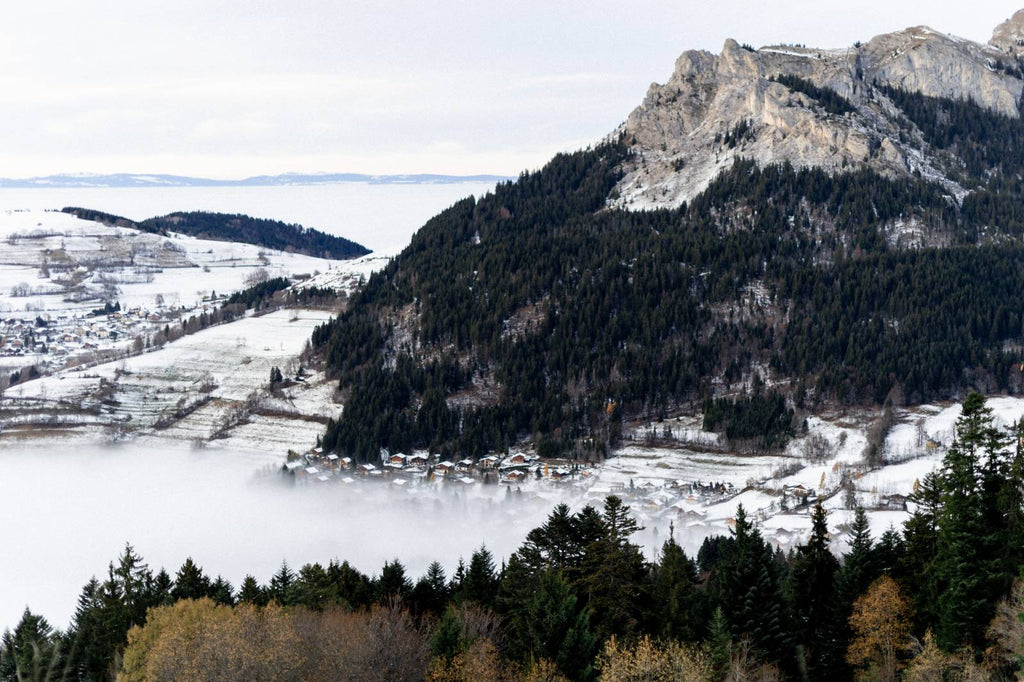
[(766, 104)]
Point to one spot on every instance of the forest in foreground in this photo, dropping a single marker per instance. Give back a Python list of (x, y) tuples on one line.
[(939, 599)]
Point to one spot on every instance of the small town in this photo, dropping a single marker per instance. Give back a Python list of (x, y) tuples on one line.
[(46, 343)]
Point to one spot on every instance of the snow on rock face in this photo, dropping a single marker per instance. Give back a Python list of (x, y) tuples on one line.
[(921, 60), (683, 131), (1009, 35)]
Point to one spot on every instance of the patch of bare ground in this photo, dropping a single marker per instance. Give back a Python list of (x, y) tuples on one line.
[(524, 320)]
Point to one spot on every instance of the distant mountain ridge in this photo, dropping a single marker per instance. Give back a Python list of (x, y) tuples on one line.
[(285, 179)]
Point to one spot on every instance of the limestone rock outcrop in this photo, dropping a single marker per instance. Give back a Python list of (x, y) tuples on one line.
[(715, 108)]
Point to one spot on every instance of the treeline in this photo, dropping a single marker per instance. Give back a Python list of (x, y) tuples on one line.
[(256, 294), (579, 600), (234, 227), (565, 317)]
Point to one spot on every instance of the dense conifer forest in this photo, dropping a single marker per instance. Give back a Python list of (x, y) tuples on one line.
[(938, 599), (232, 227), (538, 313)]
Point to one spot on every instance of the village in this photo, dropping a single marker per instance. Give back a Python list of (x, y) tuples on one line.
[(49, 342), (677, 503), (671, 488)]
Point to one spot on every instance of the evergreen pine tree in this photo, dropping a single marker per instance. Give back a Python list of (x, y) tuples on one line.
[(251, 592), (719, 643), (162, 586), (674, 589), (190, 582), (430, 595), (446, 641), (966, 561), (282, 585), (222, 592), (393, 584), (750, 592), (615, 574), (481, 582), (552, 626), (859, 567), (31, 651), (817, 616)]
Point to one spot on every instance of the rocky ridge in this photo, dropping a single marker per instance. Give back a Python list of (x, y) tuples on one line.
[(716, 108)]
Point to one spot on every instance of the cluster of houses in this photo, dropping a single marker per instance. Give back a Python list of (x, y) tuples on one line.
[(53, 338), (66, 334), (401, 469)]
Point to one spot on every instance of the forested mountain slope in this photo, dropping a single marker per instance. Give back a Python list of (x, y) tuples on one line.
[(547, 312)]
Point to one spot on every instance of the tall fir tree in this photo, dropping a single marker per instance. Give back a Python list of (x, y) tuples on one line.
[(190, 582), (750, 592), (816, 611), (674, 587)]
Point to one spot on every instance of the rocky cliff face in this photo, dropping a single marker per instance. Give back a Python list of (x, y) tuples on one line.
[(716, 108)]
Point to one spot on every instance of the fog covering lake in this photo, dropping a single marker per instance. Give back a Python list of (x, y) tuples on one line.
[(66, 511)]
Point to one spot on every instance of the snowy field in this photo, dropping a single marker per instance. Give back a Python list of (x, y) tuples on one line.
[(40, 247), (195, 389)]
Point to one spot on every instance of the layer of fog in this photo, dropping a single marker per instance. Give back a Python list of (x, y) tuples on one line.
[(381, 217), (67, 511)]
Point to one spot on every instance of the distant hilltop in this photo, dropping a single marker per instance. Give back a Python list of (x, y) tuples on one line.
[(152, 180)]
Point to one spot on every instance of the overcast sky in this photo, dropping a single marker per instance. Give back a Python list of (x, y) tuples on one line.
[(225, 88)]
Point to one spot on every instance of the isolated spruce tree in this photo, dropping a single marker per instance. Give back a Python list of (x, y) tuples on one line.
[(431, 594), (1011, 503), (888, 554), (87, 654), (354, 588), (31, 651), (446, 641), (615, 573), (314, 588), (859, 568), (222, 591), (481, 582), (393, 583), (967, 565), (719, 643), (552, 626), (162, 586), (920, 543)]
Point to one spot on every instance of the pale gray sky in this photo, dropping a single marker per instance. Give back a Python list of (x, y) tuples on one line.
[(231, 88)]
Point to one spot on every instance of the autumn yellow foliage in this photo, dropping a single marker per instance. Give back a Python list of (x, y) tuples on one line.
[(880, 624), (650, 661), (200, 640)]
